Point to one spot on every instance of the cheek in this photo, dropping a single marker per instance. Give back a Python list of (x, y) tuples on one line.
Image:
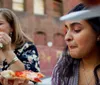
[(5, 29), (86, 41), (85, 45)]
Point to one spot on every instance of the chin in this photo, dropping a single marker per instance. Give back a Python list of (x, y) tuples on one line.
[(76, 56)]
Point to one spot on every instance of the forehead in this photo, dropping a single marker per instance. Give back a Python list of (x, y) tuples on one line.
[(82, 23), (2, 17), (71, 22)]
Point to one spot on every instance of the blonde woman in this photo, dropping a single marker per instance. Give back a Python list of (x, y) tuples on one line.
[(17, 52)]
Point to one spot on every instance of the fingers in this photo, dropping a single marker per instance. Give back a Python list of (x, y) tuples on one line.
[(20, 82), (10, 82), (1, 80), (14, 81), (26, 82), (5, 82), (4, 38)]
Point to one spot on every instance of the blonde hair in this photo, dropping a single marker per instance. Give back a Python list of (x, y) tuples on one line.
[(18, 36)]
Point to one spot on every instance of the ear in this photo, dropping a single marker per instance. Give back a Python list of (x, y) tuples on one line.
[(98, 38), (11, 30)]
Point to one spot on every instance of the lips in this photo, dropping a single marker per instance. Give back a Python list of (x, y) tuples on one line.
[(72, 47)]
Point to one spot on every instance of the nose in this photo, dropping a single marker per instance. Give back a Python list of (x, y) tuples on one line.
[(68, 36)]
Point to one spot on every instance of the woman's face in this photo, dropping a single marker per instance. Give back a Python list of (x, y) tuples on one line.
[(80, 38), (4, 25)]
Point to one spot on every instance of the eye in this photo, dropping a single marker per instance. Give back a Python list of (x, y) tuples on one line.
[(1, 23), (77, 31), (77, 28), (65, 30)]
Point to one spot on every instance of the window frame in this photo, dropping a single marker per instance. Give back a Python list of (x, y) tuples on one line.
[(60, 8), (44, 8), (23, 5)]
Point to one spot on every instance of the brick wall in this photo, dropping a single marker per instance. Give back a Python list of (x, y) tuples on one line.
[(50, 25), (47, 23)]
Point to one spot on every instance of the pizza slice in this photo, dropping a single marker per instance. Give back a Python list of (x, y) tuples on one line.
[(29, 75)]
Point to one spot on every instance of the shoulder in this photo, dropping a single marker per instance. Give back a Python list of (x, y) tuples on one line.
[(26, 46)]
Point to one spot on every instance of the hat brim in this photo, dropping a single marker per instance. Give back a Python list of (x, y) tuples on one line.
[(81, 15)]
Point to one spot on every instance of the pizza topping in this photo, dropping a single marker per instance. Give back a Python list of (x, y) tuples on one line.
[(29, 75)]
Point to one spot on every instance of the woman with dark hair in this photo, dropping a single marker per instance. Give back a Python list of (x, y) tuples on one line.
[(80, 62)]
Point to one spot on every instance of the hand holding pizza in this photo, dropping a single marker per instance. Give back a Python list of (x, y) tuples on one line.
[(5, 81), (9, 77)]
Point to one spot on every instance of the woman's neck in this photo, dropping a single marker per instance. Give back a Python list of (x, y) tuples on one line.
[(91, 61)]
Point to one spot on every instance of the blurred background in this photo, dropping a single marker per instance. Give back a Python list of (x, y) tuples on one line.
[(40, 21)]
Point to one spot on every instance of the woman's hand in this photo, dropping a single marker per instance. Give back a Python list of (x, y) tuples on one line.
[(5, 39), (2, 56), (16, 81)]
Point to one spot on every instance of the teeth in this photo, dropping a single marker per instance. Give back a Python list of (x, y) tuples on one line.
[(1, 45)]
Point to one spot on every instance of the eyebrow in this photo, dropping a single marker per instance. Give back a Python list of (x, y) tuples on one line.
[(1, 20), (73, 24)]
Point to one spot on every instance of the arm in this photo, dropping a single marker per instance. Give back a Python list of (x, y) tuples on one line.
[(28, 58), (7, 52), (16, 66)]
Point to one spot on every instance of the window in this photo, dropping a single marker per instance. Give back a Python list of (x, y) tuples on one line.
[(1, 3), (18, 5), (40, 38), (57, 6), (39, 7), (59, 40)]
